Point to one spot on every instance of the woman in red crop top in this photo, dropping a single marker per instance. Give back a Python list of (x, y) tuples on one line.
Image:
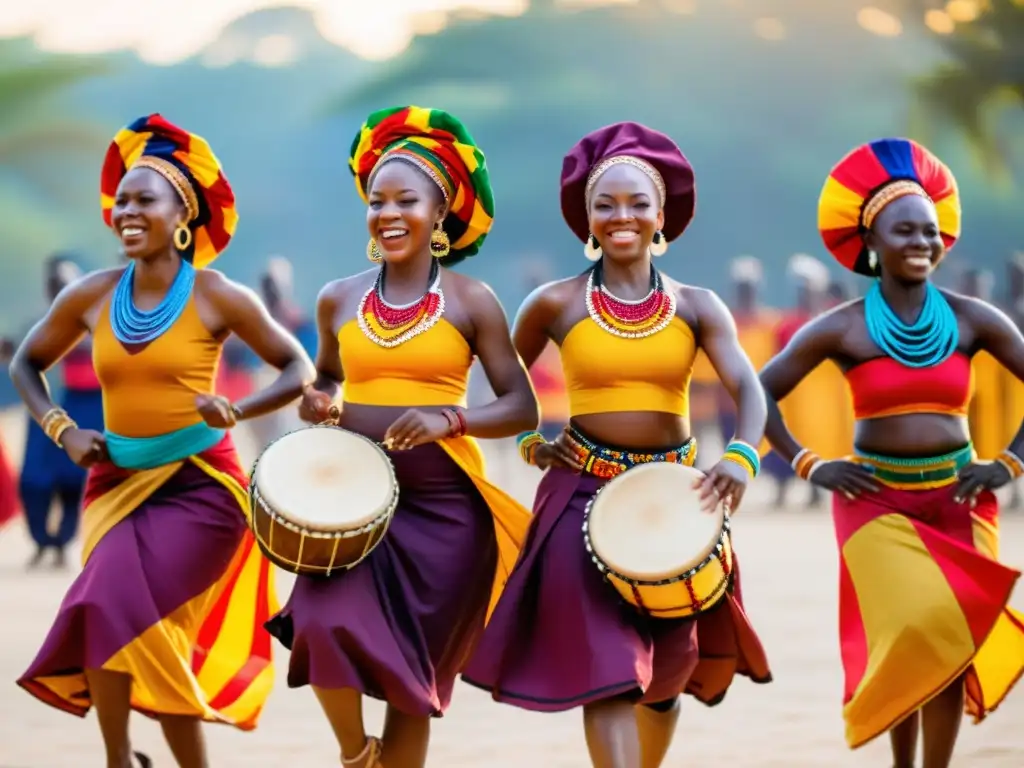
[(560, 638), (925, 629)]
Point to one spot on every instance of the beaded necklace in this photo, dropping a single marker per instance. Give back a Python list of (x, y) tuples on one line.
[(629, 319), (389, 325), (930, 340), (131, 325)]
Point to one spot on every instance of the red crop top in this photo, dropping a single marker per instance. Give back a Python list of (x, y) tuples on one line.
[(884, 387)]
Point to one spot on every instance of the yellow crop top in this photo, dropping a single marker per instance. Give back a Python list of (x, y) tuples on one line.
[(429, 369), (152, 391), (606, 373)]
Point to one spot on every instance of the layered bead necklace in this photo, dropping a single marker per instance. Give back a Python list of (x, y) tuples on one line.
[(629, 319), (132, 325), (928, 341), (389, 325)]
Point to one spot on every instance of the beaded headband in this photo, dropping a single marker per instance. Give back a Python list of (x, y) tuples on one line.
[(416, 160), (886, 195), (648, 170), (176, 178)]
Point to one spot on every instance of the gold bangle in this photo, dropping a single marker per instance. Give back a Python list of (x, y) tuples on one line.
[(55, 423)]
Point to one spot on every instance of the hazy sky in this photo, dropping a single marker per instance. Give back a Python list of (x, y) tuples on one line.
[(166, 32)]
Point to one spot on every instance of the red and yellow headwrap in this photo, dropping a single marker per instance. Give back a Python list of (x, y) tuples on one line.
[(188, 163), (867, 180), (439, 145)]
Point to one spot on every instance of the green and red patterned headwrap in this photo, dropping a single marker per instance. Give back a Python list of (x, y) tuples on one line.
[(189, 165), (440, 146)]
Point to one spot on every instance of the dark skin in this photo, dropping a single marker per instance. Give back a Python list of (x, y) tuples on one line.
[(624, 215), (149, 209), (405, 201), (906, 238)]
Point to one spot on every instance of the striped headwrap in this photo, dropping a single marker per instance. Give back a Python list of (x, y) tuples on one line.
[(440, 146), (867, 180), (189, 165)]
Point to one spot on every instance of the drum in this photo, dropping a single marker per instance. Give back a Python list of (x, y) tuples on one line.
[(322, 498), (645, 532)]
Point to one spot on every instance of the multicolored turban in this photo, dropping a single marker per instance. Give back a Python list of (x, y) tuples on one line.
[(188, 163), (439, 145), (634, 144), (868, 179)]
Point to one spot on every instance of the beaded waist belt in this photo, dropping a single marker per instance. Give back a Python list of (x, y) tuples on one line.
[(601, 461), (914, 473)]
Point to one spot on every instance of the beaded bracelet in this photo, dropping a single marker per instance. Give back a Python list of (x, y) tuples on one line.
[(527, 443), (1012, 463), (804, 463), (744, 455), (55, 423), (456, 422)]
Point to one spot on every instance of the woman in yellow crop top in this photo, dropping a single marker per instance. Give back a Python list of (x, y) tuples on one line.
[(926, 631), (400, 625), (559, 637), (164, 530)]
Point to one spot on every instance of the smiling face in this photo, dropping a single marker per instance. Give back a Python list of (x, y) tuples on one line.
[(146, 211), (906, 237), (625, 212), (405, 205)]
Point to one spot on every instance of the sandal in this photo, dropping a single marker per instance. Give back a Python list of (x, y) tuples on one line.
[(144, 761), (370, 754)]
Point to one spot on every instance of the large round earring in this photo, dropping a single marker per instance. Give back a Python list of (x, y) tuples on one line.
[(440, 245), (373, 252), (658, 244), (182, 237), (592, 250)]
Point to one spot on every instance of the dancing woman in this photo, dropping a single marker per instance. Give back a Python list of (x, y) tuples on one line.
[(560, 637), (154, 621), (397, 343), (924, 625)]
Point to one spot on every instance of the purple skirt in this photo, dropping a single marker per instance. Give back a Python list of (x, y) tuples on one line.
[(173, 548), (560, 636), (400, 626)]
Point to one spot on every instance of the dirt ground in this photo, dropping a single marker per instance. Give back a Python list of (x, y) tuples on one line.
[(789, 564)]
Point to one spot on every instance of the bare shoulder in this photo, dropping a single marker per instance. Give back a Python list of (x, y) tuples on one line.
[(972, 308), (217, 287), (338, 292), (551, 298), (90, 288), (475, 294), (832, 325)]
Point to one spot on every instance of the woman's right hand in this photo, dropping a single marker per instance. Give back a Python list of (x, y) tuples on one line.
[(316, 407), (85, 447), (558, 452), (845, 477)]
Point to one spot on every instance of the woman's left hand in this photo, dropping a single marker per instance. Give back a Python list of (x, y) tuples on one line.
[(216, 411), (726, 483), (414, 428), (977, 477)]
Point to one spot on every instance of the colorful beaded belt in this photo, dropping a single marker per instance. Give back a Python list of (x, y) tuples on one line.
[(917, 473), (601, 461)]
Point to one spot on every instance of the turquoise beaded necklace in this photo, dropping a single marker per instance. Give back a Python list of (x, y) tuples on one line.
[(133, 326), (930, 340)]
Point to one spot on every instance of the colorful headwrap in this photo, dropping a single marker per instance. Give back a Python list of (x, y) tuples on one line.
[(188, 163), (439, 145), (653, 153), (868, 179)]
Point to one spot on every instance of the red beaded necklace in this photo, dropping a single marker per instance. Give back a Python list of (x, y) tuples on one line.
[(389, 325), (629, 319)]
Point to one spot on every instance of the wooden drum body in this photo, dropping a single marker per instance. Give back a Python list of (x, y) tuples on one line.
[(645, 532), (322, 498)]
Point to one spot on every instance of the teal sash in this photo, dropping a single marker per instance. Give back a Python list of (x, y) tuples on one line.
[(151, 452)]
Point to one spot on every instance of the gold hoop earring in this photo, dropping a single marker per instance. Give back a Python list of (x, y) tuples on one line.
[(592, 249), (440, 244), (659, 244), (373, 252), (182, 237)]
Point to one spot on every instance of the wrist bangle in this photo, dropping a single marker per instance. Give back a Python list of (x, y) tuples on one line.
[(743, 454), (237, 411), (804, 463), (1012, 462), (55, 423), (527, 443)]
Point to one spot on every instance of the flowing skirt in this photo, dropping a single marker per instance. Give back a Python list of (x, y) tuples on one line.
[(171, 574), (922, 601), (400, 625), (561, 637)]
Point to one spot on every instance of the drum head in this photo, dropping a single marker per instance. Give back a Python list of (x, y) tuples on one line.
[(325, 478), (647, 523)]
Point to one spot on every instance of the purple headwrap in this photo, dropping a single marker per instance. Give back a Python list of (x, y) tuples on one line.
[(652, 152)]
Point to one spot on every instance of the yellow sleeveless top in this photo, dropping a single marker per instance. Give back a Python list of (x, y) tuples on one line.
[(607, 374), (152, 392), (429, 369)]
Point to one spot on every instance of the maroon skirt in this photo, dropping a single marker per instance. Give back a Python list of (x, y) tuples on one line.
[(400, 626), (561, 637)]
